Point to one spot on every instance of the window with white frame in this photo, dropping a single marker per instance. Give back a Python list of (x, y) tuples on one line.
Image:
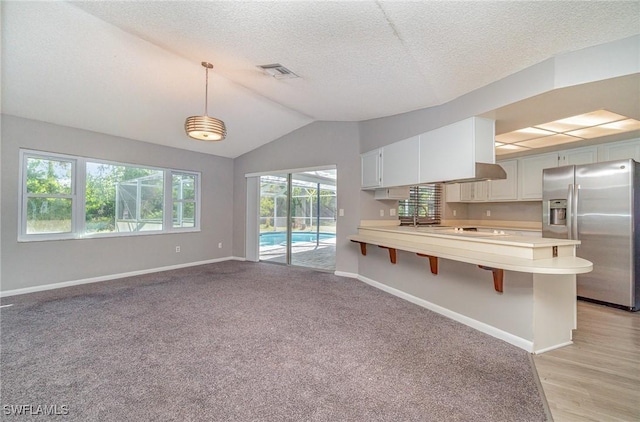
[(74, 197), (49, 195), (423, 206)]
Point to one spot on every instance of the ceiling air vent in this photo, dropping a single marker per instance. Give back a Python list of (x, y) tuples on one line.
[(278, 71)]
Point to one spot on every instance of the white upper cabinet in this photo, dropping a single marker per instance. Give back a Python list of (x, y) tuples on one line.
[(450, 152), (574, 157), (524, 174), (371, 169), (452, 192), (507, 189), (621, 151), (480, 191), (530, 174), (400, 162)]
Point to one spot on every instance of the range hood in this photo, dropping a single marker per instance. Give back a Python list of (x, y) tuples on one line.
[(484, 171)]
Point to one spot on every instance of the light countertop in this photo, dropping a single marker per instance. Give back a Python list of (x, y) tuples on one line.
[(509, 252)]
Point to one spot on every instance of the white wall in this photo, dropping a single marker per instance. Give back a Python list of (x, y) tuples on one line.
[(29, 264)]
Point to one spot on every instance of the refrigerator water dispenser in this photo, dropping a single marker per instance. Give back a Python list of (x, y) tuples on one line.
[(558, 212)]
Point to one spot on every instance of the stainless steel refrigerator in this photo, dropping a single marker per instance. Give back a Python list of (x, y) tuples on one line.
[(598, 204)]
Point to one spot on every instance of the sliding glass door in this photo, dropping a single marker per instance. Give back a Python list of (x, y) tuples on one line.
[(298, 218), (274, 218)]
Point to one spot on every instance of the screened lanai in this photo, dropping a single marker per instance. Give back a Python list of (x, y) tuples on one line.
[(298, 218)]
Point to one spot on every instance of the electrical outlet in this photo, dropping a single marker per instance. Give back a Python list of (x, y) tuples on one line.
[(220, 245), (392, 212), (454, 213), (341, 212), (177, 249), (381, 213), (488, 213)]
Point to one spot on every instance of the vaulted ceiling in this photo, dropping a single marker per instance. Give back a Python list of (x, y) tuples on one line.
[(132, 69)]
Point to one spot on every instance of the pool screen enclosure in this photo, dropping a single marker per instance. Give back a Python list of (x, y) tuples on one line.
[(298, 218)]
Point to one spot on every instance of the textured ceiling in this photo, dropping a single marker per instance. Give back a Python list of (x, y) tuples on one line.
[(132, 68)]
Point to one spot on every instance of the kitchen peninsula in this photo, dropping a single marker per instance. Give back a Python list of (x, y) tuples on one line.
[(519, 289)]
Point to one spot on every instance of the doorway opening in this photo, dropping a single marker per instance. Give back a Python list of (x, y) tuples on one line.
[(297, 224)]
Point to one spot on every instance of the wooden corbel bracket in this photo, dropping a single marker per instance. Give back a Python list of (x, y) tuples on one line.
[(363, 247), (498, 277), (433, 262), (392, 253)]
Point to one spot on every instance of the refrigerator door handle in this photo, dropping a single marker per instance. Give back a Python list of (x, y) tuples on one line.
[(570, 213), (574, 213)]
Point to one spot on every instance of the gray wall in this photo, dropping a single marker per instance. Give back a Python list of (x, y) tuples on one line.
[(29, 264), (459, 287), (527, 83), (317, 144)]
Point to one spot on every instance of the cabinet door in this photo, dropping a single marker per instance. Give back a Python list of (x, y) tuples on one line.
[(450, 152), (621, 151), (480, 191), (400, 162), (370, 169), (399, 193), (466, 192), (452, 192), (447, 153), (530, 174), (574, 157), (507, 189)]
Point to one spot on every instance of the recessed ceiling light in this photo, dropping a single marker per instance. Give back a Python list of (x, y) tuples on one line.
[(593, 118), (620, 126), (571, 129), (549, 141), (509, 148), (522, 135)]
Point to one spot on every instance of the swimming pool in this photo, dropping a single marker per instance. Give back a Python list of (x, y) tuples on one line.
[(280, 238)]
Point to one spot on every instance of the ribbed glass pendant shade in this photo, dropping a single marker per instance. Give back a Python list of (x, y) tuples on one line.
[(205, 128)]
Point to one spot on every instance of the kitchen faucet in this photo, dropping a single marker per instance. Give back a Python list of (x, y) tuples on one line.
[(416, 212)]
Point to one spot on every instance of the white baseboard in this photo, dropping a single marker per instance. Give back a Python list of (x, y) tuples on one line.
[(548, 349), (345, 274), (480, 326), (110, 277)]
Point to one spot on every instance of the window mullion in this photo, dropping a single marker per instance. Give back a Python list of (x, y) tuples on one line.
[(168, 200), (80, 190)]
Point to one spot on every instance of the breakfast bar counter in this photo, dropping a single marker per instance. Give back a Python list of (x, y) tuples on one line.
[(549, 265)]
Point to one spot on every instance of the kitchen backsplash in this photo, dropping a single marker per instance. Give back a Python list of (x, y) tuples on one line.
[(498, 211)]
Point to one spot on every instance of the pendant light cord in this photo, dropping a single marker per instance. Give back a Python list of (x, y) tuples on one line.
[(206, 91)]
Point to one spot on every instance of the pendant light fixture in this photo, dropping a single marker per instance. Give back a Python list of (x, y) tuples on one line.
[(205, 128)]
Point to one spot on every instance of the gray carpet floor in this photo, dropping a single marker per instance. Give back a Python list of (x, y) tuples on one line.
[(238, 341)]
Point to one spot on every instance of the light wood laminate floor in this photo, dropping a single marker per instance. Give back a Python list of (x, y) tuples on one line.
[(597, 378)]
